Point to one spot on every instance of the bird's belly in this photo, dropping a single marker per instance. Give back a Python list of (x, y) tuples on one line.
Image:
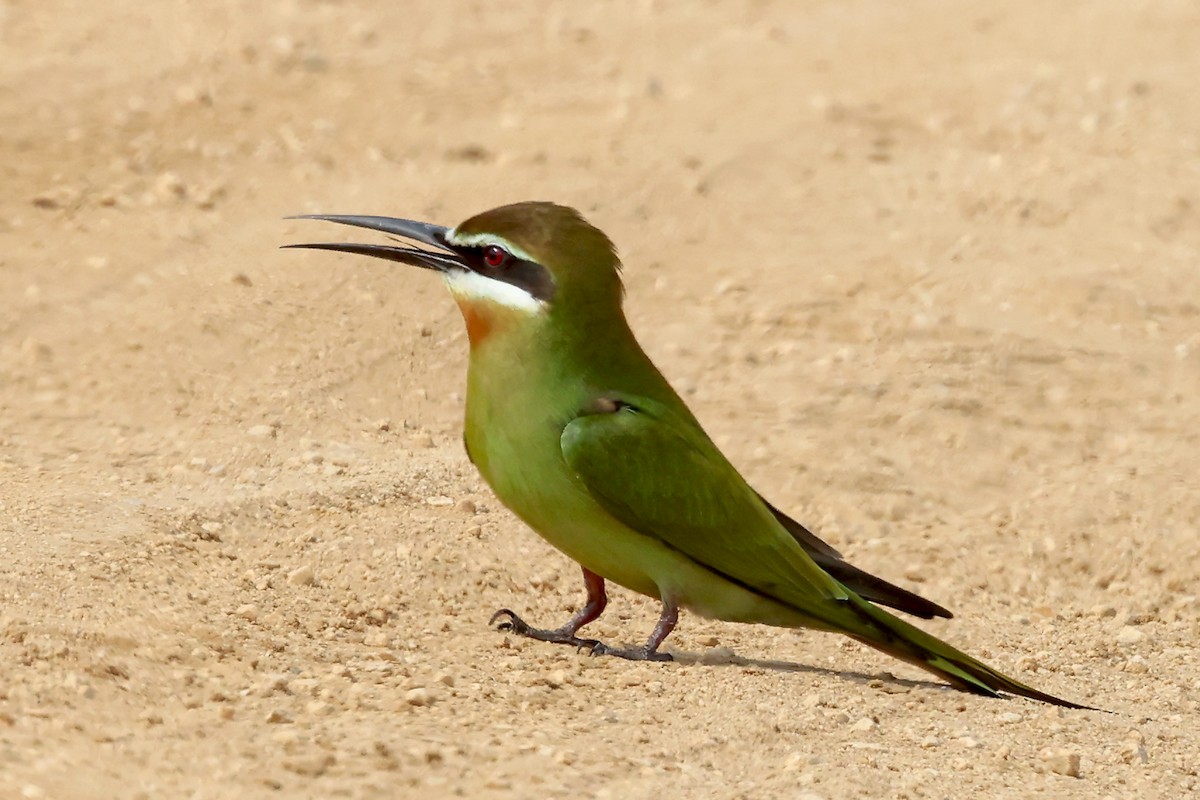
[(560, 510)]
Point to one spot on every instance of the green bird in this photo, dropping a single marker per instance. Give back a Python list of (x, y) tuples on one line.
[(580, 435)]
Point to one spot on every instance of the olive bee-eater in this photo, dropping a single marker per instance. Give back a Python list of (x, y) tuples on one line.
[(580, 435)]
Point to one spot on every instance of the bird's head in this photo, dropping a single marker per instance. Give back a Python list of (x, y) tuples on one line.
[(514, 264)]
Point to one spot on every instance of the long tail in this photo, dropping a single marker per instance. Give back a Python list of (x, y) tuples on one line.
[(897, 638)]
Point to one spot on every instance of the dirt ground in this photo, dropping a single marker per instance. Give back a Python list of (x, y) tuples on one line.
[(926, 271)]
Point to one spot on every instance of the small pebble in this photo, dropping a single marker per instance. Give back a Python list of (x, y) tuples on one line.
[(247, 612), (811, 700), (302, 576), (1061, 761), (272, 684), (319, 708), (1130, 635), (262, 431), (1134, 753), (312, 766), (169, 186), (419, 696), (286, 737)]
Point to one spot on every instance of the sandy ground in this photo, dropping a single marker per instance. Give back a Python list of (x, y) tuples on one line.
[(927, 272)]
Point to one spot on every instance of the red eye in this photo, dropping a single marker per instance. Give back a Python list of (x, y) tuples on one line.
[(495, 256)]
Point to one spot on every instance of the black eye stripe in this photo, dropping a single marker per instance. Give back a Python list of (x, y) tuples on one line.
[(528, 275)]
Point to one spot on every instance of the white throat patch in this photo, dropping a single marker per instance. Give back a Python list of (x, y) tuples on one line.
[(473, 286)]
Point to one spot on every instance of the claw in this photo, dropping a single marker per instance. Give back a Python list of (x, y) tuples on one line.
[(504, 626), (563, 635)]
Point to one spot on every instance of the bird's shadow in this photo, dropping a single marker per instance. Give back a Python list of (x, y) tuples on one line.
[(727, 658)]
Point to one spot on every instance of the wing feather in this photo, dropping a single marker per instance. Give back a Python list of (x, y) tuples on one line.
[(663, 477)]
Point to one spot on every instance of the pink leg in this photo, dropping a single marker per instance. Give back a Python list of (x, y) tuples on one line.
[(648, 651)]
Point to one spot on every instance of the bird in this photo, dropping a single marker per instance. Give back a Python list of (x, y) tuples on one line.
[(580, 435)]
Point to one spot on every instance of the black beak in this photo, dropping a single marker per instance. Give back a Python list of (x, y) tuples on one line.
[(423, 232)]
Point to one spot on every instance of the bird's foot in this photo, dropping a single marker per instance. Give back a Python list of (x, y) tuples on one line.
[(509, 621), (643, 653)]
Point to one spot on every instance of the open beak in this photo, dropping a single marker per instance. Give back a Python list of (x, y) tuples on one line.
[(423, 232)]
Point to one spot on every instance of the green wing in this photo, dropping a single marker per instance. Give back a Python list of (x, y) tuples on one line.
[(862, 583), (662, 476)]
